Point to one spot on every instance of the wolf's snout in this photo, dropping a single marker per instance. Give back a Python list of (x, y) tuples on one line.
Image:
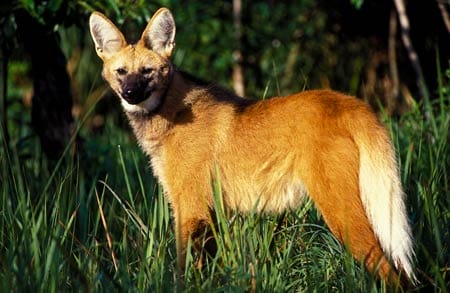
[(135, 91), (129, 93)]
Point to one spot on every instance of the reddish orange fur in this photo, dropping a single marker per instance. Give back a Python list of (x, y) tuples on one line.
[(268, 154)]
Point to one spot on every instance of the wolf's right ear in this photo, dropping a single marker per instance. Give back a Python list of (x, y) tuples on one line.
[(107, 37)]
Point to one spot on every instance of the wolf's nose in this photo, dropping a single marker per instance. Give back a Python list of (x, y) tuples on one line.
[(134, 94), (128, 93)]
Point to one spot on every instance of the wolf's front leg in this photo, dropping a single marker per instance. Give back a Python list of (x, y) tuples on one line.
[(192, 217)]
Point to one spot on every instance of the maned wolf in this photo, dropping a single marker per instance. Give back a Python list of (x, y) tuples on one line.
[(269, 154)]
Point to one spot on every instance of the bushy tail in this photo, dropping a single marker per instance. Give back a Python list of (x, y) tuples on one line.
[(383, 197)]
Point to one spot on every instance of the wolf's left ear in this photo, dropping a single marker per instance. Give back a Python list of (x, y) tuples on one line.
[(159, 35)]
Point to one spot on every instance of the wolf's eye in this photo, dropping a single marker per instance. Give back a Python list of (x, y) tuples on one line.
[(146, 70), (121, 71)]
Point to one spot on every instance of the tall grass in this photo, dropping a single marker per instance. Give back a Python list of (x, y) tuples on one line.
[(98, 221)]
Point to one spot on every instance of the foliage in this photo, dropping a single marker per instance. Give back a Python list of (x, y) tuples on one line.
[(299, 56)]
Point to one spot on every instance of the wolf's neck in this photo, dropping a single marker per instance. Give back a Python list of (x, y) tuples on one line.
[(152, 127), (185, 99)]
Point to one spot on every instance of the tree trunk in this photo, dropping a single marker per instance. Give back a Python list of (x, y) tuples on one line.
[(393, 95), (52, 98), (413, 57), (238, 73), (4, 93)]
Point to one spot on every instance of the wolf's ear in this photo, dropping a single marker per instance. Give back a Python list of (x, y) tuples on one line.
[(159, 35), (107, 37)]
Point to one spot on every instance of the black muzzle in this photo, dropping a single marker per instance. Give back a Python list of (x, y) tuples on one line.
[(135, 89)]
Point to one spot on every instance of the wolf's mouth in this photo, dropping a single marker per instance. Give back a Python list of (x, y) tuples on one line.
[(134, 97)]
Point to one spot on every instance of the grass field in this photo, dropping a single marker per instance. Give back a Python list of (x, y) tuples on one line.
[(97, 221)]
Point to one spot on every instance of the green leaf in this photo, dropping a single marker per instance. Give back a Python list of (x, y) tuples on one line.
[(357, 3)]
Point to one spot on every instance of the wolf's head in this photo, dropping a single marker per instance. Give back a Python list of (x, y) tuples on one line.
[(139, 73)]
